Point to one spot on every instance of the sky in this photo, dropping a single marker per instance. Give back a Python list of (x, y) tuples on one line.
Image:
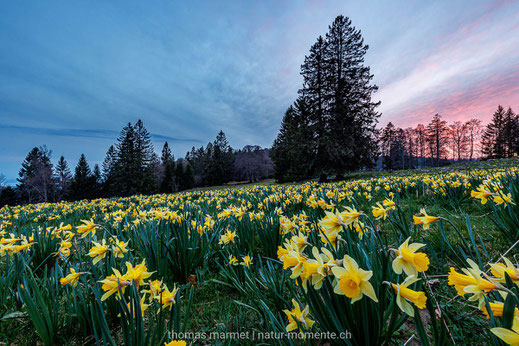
[(73, 73)]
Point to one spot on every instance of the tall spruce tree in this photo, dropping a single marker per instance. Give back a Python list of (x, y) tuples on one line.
[(189, 180), (63, 179), (83, 185), (510, 132), (293, 151), (353, 116), (493, 139), (145, 160), (221, 161), (315, 71), (109, 164), (179, 175), (168, 166), (126, 169), (36, 179), (339, 114)]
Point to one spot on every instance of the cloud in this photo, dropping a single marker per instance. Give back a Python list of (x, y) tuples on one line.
[(87, 133), (468, 69)]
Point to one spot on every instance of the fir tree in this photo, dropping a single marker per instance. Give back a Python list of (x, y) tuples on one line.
[(83, 184), (493, 139), (63, 178), (179, 175), (168, 166), (36, 180), (126, 171), (353, 118), (189, 180)]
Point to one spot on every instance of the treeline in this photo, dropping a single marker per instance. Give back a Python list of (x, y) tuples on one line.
[(439, 143), (330, 128), (132, 167)]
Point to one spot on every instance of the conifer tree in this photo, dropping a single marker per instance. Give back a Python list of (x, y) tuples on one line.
[(353, 116), (168, 166), (189, 180), (63, 179), (83, 184), (179, 175), (493, 139), (335, 112), (36, 180)]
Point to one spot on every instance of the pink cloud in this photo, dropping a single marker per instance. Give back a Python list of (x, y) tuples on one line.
[(478, 100), (470, 72)]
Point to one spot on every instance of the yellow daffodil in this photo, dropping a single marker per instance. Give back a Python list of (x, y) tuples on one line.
[(155, 287), (72, 278), (233, 260), (481, 194), (112, 284), (499, 270), (299, 241), (295, 261), (227, 237), (298, 315), (509, 336), (88, 227), (332, 223), (471, 283), (406, 295), (497, 309), (379, 212), (246, 261), (500, 199), (98, 251), (64, 249), (353, 281), (119, 248), (409, 260), (316, 269), (425, 219), (167, 297), (139, 273)]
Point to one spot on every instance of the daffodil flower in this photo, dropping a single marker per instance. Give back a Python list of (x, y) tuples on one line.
[(499, 270), (497, 309), (409, 260), (98, 251), (481, 194), (86, 228), (510, 336), (72, 278), (425, 219), (406, 295), (246, 261), (298, 315), (113, 283), (379, 212), (167, 297), (353, 281), (295, 261), (227, 238), (471, 283)]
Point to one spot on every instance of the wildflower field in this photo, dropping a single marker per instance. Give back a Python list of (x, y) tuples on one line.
[(416, 257)]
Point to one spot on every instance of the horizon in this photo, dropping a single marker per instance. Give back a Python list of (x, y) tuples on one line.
[(74, 74)]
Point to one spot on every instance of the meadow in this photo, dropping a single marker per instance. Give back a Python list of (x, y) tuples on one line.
[(408, 257)]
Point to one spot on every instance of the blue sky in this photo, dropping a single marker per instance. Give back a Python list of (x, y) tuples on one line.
[(73, 73)]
